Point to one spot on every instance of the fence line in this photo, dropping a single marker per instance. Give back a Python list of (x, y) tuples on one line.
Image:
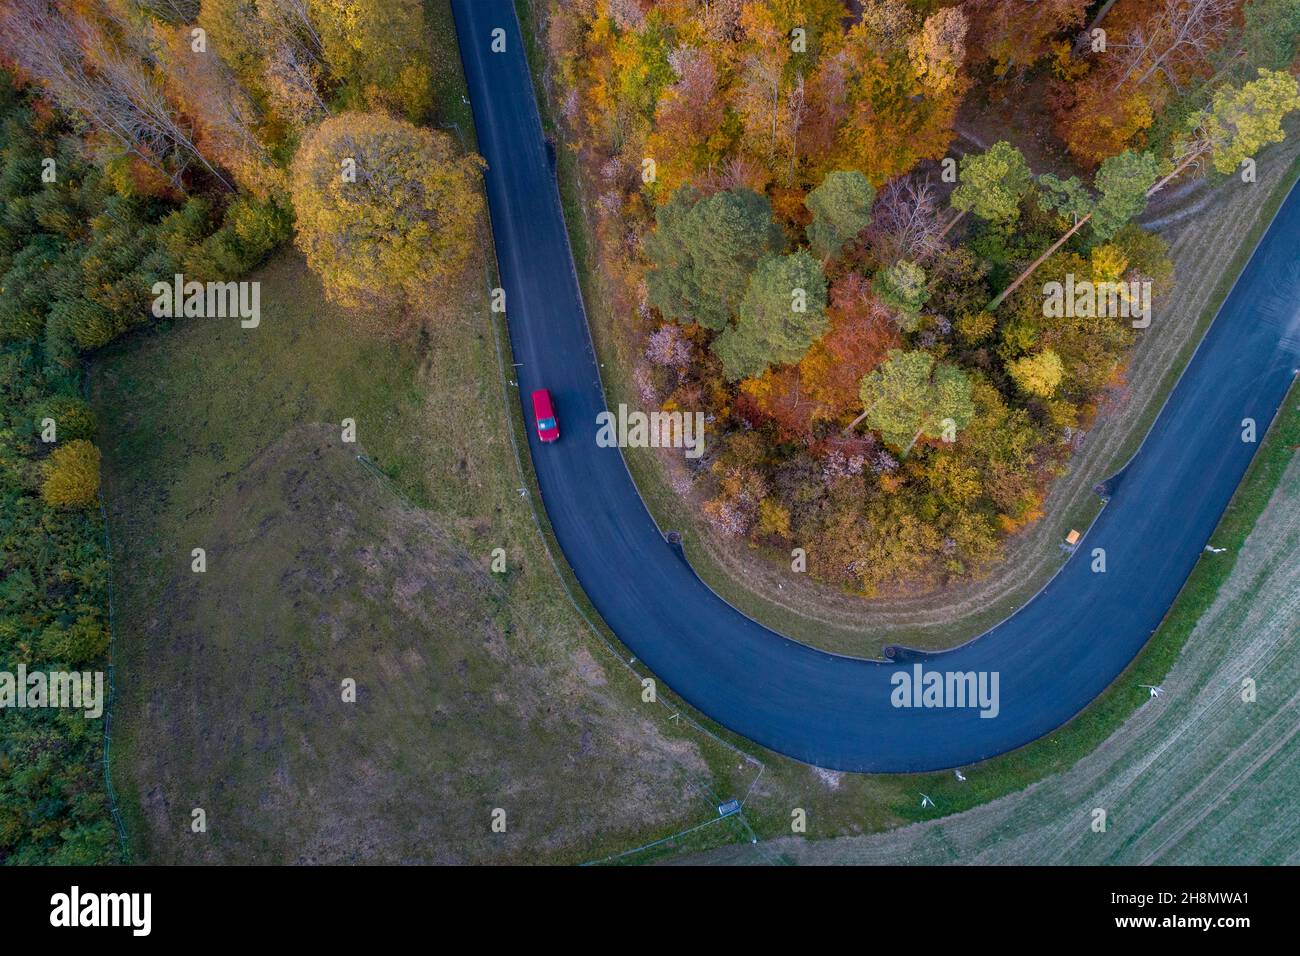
[(105, 758)]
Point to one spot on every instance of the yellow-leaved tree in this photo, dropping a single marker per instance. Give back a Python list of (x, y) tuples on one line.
[(387, 212), (380, 49), (1038, 374), (72, 475)]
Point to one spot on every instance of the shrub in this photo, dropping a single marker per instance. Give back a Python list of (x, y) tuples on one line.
[(72, 476), (86, 640), (259, 226), (74, 420)]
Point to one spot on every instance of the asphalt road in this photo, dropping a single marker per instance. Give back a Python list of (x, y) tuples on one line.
[(1052, 657)]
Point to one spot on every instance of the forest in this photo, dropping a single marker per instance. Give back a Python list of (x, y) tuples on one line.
[(797, 241), (141, 140)]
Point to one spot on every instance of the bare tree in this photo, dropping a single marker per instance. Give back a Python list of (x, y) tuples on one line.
[(761, 88), (628, 14), (694, 105), (111, 89), (904, 221), (796, 109), (1183, 33), (291, 84), (225, 118), (292, 20), (171, 11), (722, 19), (739, 172)]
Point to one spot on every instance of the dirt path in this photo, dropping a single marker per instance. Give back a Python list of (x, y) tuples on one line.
[(1197, 776)]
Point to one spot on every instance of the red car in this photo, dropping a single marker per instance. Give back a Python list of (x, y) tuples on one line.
[(548, 429)]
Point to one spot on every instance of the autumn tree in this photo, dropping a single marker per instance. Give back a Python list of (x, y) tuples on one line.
[(771, 96), (1016, 35), (275, 50), (625, 70), (858, 339), (828, 104), (912, 396), (687, 136), (938, 51), (1180, 35), (226, 119), (1240, 121), (1147, 255), (384, 208), (782, 312), (704, 250), (898, 104), (380, 50), (1097, 121), (841, 208), (1038, 374), (100, 74)]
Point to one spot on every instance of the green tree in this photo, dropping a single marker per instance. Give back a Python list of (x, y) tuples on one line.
[(27, 287), (704, 251), (84, 640), (902, 287), (1272, 32), (384, 208), (841, 208), (991, 184), (911, 396), (54, 582), (1124, 183), (73, 418), (783, 312), (1241, 121)]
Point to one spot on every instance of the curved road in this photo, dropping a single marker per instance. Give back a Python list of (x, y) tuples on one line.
[(1052, 657)]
